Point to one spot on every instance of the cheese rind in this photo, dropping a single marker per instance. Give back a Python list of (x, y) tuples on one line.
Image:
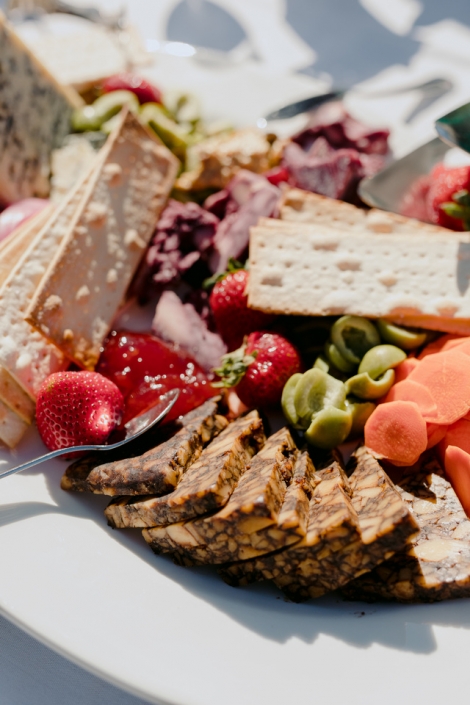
[(115, 223), (35, 114)]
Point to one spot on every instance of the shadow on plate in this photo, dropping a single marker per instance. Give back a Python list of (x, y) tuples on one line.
[(262, 608)]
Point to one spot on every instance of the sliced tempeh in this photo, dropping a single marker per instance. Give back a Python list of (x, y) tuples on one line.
[(332, 525), (206, 485), (158, 470), (250, 524), (86, 282), (436, 564), (345, 537)]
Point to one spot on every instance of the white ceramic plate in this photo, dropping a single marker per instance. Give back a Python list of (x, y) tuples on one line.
[(174, 635)]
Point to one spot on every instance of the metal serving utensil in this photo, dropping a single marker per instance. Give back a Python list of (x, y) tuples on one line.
[(435, 87), (386, 189), (454, 128), (132, 429)]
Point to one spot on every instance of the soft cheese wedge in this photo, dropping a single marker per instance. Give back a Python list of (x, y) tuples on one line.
[(88, 278), (35, 114)]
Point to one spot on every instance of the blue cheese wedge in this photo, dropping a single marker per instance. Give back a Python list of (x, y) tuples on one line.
[(86, 282), (35, 114)]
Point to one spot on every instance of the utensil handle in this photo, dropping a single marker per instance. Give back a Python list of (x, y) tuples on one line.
[(47, 456)]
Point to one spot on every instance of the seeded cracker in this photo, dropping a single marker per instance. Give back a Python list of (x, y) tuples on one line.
[(299, 268), (158, 470), (24, 352), (86, 282), (206, 485), (250, 524)]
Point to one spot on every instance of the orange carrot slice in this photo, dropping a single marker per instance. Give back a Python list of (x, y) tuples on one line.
[(397, 432), (408, 390), (457, 466), (405, 368), (436, 433), (447, 377), (456, 435), (442, 344)]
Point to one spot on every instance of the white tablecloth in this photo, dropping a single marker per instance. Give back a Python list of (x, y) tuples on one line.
[(375, 42)]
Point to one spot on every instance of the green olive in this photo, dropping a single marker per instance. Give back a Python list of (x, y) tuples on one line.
[(316, 391), (405, 338), (287, 399), (321, 363), (354, 336), (363, 386), (360, 412), (85, 119), (380, 359), (170, 133), (110, 104), (334, 356), (329, 428), (108, 126)]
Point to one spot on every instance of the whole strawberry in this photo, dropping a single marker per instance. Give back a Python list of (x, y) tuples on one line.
[(260, 368), (77, 408), (448, 199), (229, 304)]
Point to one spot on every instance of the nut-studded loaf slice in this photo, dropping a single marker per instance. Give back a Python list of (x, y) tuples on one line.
[(251, 523), (345, 538), (436, 564), (158, 470), (206, 485), (332, 525)]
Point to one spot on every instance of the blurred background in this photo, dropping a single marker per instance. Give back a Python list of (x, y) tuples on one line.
[(244, 58)]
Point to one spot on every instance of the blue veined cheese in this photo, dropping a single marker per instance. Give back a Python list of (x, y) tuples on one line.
[(35, 116)]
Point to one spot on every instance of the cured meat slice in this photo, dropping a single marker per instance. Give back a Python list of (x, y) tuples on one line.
[(206, 485), (436, 564), (158, 470), (252, 522), (346, 536)]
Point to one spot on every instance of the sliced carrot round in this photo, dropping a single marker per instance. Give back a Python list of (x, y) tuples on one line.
[(408, 390), (457, 466), (436, 433), (456, 435), (442, 344), (397, 432), (447, 377), (405, 368)]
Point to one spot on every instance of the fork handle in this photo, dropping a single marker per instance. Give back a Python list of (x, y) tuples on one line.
[(44, 458)]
